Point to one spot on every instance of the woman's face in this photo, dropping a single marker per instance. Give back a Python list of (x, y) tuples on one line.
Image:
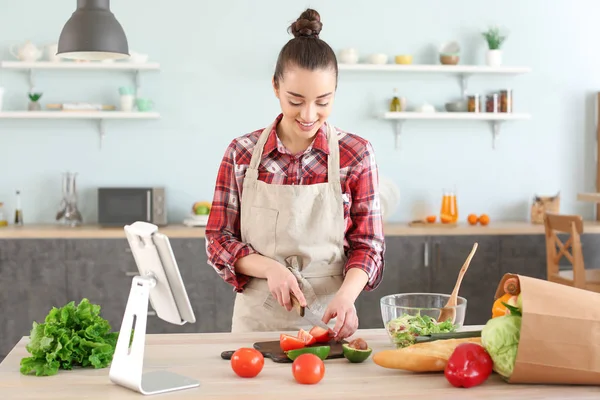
[(306, 99)]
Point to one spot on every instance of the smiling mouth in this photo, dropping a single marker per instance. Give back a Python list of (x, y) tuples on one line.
[(307, 124)]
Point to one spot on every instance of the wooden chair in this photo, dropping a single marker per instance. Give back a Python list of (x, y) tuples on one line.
[(578, 276)]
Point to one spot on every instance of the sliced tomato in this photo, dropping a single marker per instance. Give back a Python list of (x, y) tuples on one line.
[(319, 334), (306, 337), (289, 342)]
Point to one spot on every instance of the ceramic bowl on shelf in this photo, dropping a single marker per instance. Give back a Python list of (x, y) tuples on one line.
[(449, 53), (348, 56), (378, 58), (450, 48), (397, 308), (403, 59), (456, 106), (449, 59)]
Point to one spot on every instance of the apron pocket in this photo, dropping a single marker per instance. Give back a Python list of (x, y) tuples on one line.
[(261, 233)]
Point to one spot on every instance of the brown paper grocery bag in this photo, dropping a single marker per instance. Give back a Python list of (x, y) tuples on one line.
[(560, 333)]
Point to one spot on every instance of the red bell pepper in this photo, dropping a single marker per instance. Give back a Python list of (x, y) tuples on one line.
[(469, 365)]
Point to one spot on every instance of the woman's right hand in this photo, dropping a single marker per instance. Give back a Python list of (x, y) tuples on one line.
[(281, 282)]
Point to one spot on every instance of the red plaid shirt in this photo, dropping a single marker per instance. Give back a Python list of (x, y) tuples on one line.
[(364, 240)]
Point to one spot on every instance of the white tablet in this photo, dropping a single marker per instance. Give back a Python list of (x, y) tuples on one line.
[(154, 256)]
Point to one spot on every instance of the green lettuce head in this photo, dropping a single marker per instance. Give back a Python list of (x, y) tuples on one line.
[(500, 337)]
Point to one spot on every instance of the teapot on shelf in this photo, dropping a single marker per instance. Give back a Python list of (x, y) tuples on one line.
[(27, 52)]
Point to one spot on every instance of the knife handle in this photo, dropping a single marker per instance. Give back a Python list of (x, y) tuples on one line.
[(296, 305)]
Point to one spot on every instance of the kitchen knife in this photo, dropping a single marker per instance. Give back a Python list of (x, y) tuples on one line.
[(308, 314), (447, 335)]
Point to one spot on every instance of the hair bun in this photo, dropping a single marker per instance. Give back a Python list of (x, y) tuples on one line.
[(307, 25)]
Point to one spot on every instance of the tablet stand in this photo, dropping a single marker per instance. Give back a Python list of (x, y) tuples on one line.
[(167, 297)]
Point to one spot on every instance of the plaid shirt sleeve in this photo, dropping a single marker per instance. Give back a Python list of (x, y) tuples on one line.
[(223, 238), (365, 237)]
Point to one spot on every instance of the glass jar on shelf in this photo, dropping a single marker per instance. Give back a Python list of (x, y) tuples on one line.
[(506, 101), (492, 103), (3, 219), (473, 103)]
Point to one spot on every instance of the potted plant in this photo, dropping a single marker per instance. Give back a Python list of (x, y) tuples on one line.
[(494, 40), (33, 103)]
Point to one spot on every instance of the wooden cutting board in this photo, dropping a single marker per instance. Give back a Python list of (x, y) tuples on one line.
[(272, 350)]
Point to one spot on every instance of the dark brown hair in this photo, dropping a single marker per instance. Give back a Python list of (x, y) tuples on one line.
[(306, 50)]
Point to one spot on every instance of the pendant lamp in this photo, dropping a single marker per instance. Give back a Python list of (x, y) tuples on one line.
[(93, 33)]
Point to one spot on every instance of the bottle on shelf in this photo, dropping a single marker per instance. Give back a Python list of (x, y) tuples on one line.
[(397, 104), (3, 219), (449, 209), (18, 210)]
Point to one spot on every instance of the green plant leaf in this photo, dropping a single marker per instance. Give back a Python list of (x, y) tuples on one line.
[(70, 336)]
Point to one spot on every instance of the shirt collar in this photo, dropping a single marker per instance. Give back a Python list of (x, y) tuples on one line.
[(274, 143)]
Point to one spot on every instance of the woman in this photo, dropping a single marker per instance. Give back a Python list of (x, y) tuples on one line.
[(296, 205)]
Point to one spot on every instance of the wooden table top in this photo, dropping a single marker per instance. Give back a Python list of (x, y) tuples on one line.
[(91, 231), (198, 356)]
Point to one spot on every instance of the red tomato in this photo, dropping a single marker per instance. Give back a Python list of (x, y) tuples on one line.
[(308, 369), (289, 342), (306, 337), (320, 334), (247, 362)]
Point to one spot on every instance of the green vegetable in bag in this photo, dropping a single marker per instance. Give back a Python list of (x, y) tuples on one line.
[(70, 336), (500, 337)]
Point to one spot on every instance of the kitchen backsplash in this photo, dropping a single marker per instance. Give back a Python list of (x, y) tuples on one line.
[(214, 83)]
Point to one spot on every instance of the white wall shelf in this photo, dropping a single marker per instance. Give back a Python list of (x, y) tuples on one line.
[(436, 68), (495, 119), (97, 65), (462, 72), (100, 116), (30, 67)]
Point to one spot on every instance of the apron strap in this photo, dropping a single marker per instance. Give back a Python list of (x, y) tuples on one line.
[(333, 161), (258, 149)]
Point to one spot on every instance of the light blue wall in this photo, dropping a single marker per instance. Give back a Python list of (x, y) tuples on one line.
[(217, 58)]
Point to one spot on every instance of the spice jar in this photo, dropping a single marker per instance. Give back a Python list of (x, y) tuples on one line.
[(506, 101), (3, 219), (492, 103), (473, 103)]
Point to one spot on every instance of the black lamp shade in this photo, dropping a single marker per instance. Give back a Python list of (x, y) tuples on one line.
[(93, 33)]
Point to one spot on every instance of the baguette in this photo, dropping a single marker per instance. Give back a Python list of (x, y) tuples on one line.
[(421, 357)]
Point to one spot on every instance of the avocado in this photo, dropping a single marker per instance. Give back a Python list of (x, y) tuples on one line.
[(320, 351), (355, 355)]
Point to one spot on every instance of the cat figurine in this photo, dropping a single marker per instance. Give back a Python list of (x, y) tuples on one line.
[(543, 204)]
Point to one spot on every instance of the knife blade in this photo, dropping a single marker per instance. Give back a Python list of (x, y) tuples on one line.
[(447, 335), (308, 314)]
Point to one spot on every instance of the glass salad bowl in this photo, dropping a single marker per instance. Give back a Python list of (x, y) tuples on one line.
[(408, 315)]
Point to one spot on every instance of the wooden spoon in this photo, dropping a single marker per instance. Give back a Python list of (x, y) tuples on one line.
[(450, 313)]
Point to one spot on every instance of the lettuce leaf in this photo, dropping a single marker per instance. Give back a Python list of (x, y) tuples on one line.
[(70, 336)]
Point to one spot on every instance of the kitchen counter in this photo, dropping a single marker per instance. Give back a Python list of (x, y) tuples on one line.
[(198, 356), (181, 231)]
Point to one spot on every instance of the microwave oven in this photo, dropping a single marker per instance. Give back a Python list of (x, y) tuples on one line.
[(120, 206)]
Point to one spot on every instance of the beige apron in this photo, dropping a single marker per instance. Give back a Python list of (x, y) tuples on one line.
[(301, 227)]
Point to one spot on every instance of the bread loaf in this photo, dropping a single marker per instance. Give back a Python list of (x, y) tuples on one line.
[(421, 357)]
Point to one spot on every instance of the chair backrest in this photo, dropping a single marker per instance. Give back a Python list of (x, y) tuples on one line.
[(556, 249)]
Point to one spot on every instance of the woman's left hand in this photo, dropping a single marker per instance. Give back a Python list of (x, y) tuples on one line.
[(342, 308)]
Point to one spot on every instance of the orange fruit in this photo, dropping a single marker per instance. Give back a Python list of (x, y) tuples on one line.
[(484, 219), (431, 219), (445, 218), (472, 218)]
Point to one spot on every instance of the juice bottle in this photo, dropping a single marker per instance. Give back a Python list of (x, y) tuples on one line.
[(453, 212), (446, 204)]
